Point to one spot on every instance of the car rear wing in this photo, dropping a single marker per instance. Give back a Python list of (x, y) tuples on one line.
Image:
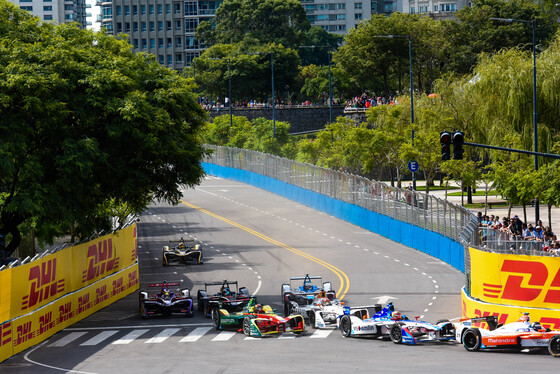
[(306, 277), (492, 321), (164, 284), (221, 283)]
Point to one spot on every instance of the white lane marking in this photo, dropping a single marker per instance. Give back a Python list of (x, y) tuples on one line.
[(258, 288), (433, 280), (430, 304), (376, 253), (195, 334), (321, 334), (286, 336), (397, 260), (251, 338), (435, 297), (425, 310), (348, 243), (131, 336), (100, 337), (405, 264), (26, 358), (162, 336), (67, 339), (224, 335), (436, 286), (386, 256), (415, 269)]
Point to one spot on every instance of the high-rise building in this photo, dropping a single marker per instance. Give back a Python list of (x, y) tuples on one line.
[(57, 11), (166, 28)]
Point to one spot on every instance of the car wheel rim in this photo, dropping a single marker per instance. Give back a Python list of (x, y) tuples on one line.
[(246, 327), (215, 318), (396, 334), (346, 327)]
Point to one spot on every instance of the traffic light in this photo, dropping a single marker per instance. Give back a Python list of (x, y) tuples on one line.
[(445, 140), (458, 140)]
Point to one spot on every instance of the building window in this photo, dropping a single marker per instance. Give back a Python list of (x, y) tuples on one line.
[(178, 42), (142, 26), (179, 58), (134, 10), (118, 10), (152, 26), (357, 5), (151, 7), (169, 59), (190, 43), (144, 44), (191, 8), (177, 8), (167, 8), (127, 27), (388, 7), (190, 56), (435, 8), (160, 59), (69, 7), (341, 27), (47, 17), (191, 25), (168, 25), (28, 8), (160, 42), (169, 43), (374, 6), (412, 10), (47, 8), (135, 43), (47, 1), (134, 26), (142, 9), (177, 25), (358, 16), (159, 9), (152, 43), (341, 6), (119, 27), (160, 25)]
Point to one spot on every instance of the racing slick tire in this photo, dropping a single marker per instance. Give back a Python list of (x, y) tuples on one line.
[(200, 296), (200, 259), (396, 333), (554, 346), (346, 326), (247, 326), (312, 319), (216, 318), (163, 261), (287, 309), (472, 339)]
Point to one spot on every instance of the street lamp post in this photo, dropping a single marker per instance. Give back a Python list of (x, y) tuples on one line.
[(535, 144), (411, 90), (273, 99), (329, 53), (229, 78)]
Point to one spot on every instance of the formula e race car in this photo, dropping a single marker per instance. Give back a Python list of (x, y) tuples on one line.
[(185, 250), (397, 326), (518, 335), (257, 321), (165, 302), (296, 297), (230, 297), (325, 313)]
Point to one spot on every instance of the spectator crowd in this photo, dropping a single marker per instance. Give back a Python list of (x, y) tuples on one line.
[(516, 232)]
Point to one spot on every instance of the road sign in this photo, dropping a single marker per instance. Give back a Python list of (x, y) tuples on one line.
[(413, 166)]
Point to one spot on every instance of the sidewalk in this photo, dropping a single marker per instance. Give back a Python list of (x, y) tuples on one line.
[(502, 210)]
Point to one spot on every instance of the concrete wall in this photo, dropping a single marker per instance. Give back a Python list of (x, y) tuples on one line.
[(301, 119)]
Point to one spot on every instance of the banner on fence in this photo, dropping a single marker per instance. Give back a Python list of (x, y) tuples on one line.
[(509, 279)]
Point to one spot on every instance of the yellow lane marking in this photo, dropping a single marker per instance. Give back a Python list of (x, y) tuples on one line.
[(344, 281)]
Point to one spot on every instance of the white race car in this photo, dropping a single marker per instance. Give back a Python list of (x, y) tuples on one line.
[(324, 312), (400, 329)]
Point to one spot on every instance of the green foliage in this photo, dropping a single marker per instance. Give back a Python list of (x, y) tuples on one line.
[(250, 72), (87, 127), (258, 21)]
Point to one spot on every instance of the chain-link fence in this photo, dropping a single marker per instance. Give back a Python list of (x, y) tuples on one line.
[(417, 208)]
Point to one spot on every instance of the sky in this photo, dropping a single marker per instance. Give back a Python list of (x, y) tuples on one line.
[(95, 10)]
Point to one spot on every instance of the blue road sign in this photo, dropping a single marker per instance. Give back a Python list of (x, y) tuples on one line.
[(413, 166)]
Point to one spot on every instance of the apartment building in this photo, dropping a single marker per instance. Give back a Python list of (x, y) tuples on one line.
[(57, 11), (438, 9)]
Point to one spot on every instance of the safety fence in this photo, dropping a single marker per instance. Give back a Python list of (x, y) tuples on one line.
[(40, 298), (417, 208)]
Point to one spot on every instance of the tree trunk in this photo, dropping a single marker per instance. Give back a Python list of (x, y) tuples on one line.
[(509, 209), (469, 195), (549, 216), (524, 212)]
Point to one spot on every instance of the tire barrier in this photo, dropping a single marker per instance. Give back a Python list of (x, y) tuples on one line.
[(45, 296)]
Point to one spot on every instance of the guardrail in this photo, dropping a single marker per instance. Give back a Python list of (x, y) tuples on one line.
[(417, 208)]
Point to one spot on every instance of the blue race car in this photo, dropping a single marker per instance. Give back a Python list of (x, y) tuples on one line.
[(397, 326), (296, 297)]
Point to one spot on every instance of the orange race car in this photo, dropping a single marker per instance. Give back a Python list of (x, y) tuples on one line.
[(518, 335)]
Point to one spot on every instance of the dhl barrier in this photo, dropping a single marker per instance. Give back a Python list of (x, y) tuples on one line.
[(520, 280), (43, 297), (549, 318)]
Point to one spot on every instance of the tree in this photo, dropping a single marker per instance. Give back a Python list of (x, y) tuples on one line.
[(87, 127), (261, 21)]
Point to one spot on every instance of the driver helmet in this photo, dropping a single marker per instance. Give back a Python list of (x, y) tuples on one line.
[(165, 292), (258, 308), (226, 291), (396, 315)]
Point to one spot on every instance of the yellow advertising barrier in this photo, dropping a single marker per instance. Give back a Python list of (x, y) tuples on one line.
[(103, 256), (47, 295), (35, 327), (508, 279), (549, 318)]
